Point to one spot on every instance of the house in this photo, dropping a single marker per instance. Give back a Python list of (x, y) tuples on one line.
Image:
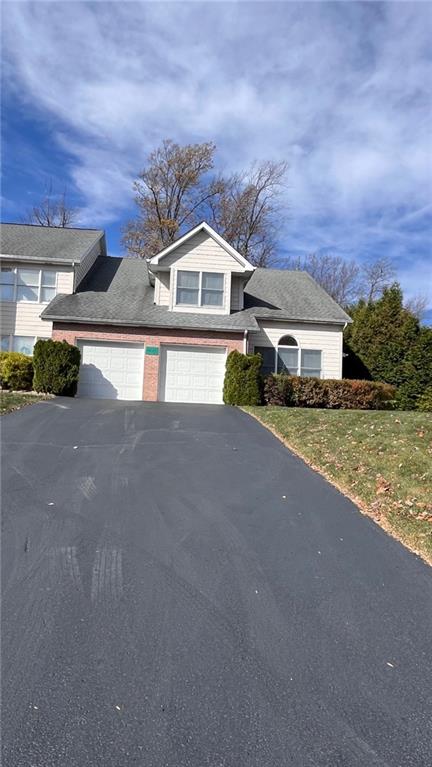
[(37, 263), (161, 329)]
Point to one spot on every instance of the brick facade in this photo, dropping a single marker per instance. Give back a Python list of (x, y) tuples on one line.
[(150, 337)]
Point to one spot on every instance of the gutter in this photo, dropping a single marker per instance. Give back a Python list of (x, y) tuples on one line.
[(150, 324), (37, 259)]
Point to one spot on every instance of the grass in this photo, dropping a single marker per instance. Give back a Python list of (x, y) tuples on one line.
[(14, 400), (382, 460)]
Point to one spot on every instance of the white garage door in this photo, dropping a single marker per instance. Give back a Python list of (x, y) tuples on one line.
[(111, 371), (192, 374)]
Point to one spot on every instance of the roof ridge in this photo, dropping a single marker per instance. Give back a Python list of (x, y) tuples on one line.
[(43, 226)]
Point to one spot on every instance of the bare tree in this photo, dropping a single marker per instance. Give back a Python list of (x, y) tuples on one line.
[(53, 210), (338, 277), (170, 194), (247, 212), (177, 189), (376, 275), (418, 305)]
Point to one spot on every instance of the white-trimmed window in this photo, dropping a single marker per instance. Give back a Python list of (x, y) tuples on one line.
[(22, 284), (287, 357), (27, 288), (5, 343), (47, 286), (199, 288), (22, 344), (7, 284)]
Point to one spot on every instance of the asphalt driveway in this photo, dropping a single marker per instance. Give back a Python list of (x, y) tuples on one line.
[(181, 591)]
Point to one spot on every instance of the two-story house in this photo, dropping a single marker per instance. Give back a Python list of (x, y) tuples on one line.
[(37, 263), (162, 329)]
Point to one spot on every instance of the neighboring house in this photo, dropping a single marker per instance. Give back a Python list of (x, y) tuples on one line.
[(37, 263), (162, 329)]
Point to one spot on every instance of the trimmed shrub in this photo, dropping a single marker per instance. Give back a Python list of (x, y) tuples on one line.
[(325, 393), (424, 402), (56, 367), (3, 358), (242, 385), (278, 389), (309, 392), (16, 371), (350, 394)]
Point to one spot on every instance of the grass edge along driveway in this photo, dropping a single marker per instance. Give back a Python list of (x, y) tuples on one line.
[(10, 401), (381, 460)]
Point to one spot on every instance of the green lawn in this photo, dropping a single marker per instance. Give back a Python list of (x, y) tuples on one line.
[(381, 459), (13, 401)]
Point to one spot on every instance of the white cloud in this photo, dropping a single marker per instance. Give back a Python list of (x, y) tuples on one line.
[(338, 89)]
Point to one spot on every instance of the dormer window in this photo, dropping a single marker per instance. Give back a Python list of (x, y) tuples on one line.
[(199, 288)]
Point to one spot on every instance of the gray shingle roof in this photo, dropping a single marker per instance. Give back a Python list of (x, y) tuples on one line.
[(47, 243), (291, 295), (118, 291)]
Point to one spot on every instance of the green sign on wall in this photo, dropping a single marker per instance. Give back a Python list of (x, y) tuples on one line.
[(152, 350)]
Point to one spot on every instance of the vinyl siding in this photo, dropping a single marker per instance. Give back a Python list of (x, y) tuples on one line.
[(201, 252), (162, 288), (237, 286), (82, 268), (65, 281), (326, 338), (22, 318)]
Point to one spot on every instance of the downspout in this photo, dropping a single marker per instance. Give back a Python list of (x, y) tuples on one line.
[(342, 355), (245, 340)]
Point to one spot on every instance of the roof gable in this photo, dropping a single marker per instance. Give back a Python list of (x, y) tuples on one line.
[(202, 227)]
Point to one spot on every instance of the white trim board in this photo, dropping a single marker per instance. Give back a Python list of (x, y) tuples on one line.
[(203, 227)]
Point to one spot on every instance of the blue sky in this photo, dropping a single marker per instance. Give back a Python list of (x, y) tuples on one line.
[(340, 90)]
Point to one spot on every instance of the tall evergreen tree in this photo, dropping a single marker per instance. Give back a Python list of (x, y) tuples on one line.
[(381, 335), (417, 370)]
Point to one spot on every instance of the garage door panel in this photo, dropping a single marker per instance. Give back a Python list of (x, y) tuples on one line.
[(110, 370), (192, 374)]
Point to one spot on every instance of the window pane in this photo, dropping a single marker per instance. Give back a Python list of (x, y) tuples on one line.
[(23, 344), (7, 277), (287, 341), (5, 343), (268, 355), (26, 294), (212, 281), (47, 294), (311, 359), (28, 277), (310, 373), (187, 279), (212, 297), (6, 292), (287, 361), (49, 278), (187, 296)]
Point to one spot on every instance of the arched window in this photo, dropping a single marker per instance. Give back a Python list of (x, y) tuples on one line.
[(287, 354), (287, 357)]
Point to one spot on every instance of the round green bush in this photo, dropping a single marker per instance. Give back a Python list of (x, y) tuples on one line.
[(56, 367), (16, 371)]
